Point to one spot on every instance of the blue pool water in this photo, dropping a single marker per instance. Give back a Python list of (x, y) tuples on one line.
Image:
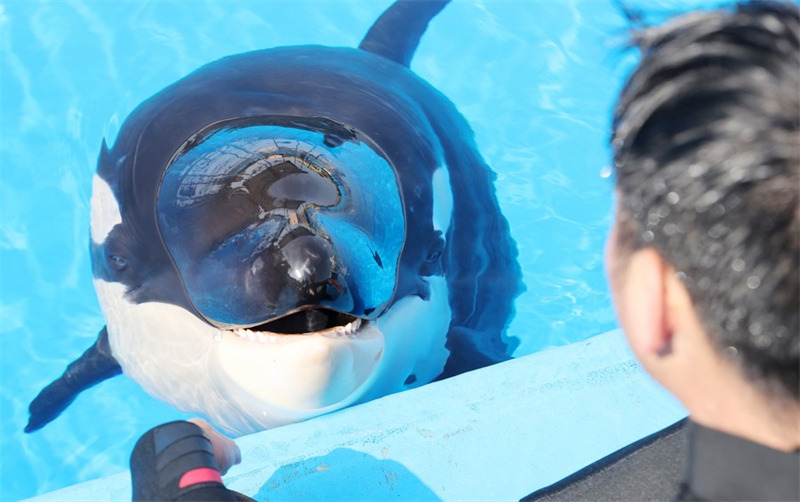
[(536, 79)]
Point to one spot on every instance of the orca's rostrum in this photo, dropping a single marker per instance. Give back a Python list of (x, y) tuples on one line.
[(286, 232)]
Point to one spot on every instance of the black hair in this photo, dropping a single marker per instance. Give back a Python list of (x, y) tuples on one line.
[(706, 141)]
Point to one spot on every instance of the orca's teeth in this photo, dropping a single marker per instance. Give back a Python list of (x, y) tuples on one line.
[(253, 336), (350, 329)]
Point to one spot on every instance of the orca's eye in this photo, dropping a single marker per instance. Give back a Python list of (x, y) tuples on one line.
[(117, 262), (436, 249)]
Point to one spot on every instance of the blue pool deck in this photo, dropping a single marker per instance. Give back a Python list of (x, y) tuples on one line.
[(498, 433)]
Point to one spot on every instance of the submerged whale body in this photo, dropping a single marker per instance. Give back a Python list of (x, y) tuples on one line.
[(286, 232)]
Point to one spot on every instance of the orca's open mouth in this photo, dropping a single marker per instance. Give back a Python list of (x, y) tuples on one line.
[(316, 320)]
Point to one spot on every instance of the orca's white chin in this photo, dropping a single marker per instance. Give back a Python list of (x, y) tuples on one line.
[(242, 380), (246, 380), (294, 376)]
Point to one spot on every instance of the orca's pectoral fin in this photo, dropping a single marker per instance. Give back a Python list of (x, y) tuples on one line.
[(94, 366), (471, 349)]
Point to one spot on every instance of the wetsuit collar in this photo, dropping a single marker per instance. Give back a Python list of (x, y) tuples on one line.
[(725, 467)]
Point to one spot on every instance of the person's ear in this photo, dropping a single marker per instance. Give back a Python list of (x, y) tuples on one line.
[(647, 319)]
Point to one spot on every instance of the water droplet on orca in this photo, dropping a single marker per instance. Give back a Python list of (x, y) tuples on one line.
[(673, 198), (753, 282)]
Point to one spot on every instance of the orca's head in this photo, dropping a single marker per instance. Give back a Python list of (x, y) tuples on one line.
[(286, 232), (282, 238)]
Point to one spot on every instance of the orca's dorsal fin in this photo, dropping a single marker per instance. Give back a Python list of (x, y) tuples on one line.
[(395, 35)]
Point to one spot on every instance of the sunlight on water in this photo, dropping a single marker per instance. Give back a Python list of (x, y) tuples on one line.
[(536, 80)]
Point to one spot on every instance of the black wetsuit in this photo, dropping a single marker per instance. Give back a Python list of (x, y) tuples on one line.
[(725, 467), (720, 467), (174, 461)]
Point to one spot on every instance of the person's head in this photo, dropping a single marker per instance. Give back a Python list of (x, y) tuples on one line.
[(706, 146)]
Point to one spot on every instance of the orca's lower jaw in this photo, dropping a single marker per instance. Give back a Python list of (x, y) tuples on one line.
[(296, 373), (288, 377), (307, 321)]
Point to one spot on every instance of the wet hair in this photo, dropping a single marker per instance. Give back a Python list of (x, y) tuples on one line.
[(706, 142)]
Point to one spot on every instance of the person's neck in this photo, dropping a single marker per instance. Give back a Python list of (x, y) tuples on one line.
[(735, 407), (712, 387)]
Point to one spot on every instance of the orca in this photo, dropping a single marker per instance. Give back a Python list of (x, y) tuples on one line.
[(290, 231)]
